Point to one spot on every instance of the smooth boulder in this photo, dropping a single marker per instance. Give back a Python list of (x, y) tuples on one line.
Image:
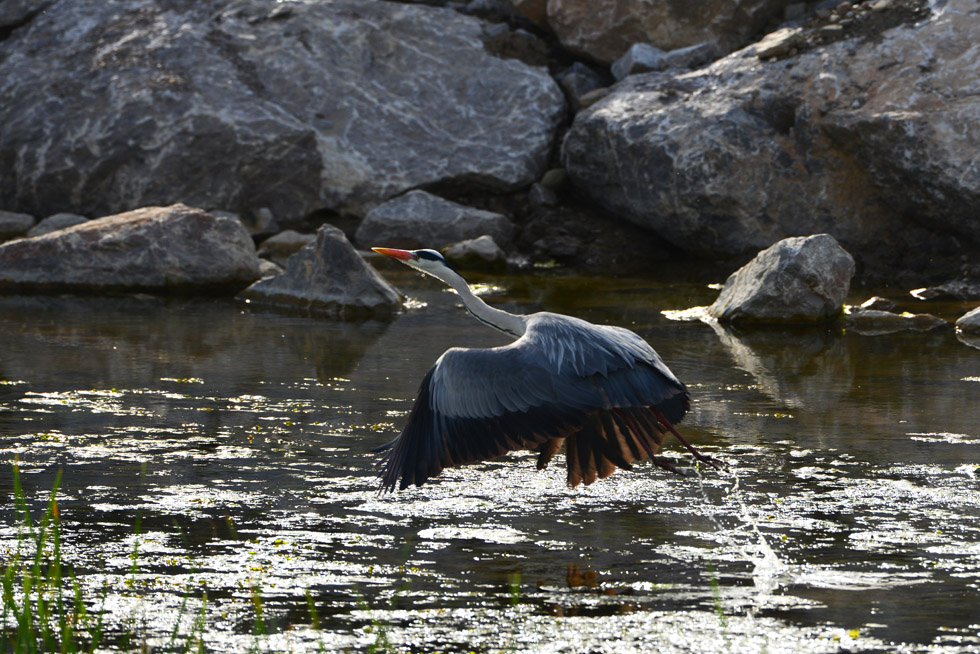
[(175, 249), (420, 219), (799, 280), (327, 277)]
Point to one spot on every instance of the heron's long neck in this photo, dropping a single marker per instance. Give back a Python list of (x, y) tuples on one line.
[(508, 323)]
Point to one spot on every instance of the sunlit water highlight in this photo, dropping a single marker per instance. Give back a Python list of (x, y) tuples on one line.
[(847, 519)]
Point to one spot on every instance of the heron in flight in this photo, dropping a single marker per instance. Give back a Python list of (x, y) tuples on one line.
[(600, 391)]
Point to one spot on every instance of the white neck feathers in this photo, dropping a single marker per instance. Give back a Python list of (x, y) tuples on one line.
[(508, 323)]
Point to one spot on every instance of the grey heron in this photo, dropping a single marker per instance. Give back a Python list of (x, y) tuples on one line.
[(600, 391)]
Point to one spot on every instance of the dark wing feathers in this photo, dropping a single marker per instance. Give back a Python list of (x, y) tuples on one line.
[(565, 381)]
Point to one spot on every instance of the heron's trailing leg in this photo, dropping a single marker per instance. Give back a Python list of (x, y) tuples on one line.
[(662, 419)]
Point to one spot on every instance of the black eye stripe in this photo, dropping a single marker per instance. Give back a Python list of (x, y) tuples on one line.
[(432, 255)]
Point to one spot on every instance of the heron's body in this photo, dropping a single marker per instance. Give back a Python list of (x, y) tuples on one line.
[(600, 391)]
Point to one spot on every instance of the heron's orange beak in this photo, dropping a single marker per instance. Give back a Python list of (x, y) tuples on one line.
[(401, 255)]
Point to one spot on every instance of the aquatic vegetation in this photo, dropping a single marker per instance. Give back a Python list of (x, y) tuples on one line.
[(38, 612)]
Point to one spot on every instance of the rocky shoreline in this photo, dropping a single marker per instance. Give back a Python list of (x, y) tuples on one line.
[(602, 135)]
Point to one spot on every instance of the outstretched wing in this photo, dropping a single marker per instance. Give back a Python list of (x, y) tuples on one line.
[(563, 379)]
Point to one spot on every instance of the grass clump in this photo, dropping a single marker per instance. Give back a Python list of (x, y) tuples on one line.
[(38, 615)]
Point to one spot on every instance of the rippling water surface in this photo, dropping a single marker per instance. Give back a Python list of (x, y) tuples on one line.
[(229, 450)]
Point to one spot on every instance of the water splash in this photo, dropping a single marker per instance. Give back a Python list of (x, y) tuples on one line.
[(769, 571)]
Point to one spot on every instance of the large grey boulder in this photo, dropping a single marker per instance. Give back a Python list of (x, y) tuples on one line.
[(176, 249), (796, 281), (862, 137), (14, 224), (605, 29), (245, 104), (327, 277), (420, 219)]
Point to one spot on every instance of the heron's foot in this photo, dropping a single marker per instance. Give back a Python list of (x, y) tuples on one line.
[(666, 464)]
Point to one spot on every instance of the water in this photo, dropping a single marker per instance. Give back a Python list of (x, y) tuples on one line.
[(240, 441)]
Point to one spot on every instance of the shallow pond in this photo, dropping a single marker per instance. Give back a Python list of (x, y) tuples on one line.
[(212, 451)]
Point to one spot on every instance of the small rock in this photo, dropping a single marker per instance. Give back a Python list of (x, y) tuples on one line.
[(283, 245), (577, 80), (477, 252), (518, 44), (260, 222), (554, 178), (877, 303), (269, 269), (56, 222), (421, 219), (693, 56), (640, 58), (14, 224), (873, 321), (955, 289), (542, 196), (798, 280), (969, 323), (327, 277), (830, 31), (779, 43)]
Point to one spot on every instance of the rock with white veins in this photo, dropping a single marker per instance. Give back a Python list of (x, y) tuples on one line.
[(866, 138), (248, 104)]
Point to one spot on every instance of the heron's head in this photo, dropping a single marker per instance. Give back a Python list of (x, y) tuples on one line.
[(427, 261)]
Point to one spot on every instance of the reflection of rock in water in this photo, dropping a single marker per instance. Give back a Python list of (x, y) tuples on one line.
[(335, 349), (135, 341), (797, 368), (973, 340)]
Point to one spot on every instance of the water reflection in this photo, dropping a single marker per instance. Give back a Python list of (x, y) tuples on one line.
[(241, 441), (800, 369)]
